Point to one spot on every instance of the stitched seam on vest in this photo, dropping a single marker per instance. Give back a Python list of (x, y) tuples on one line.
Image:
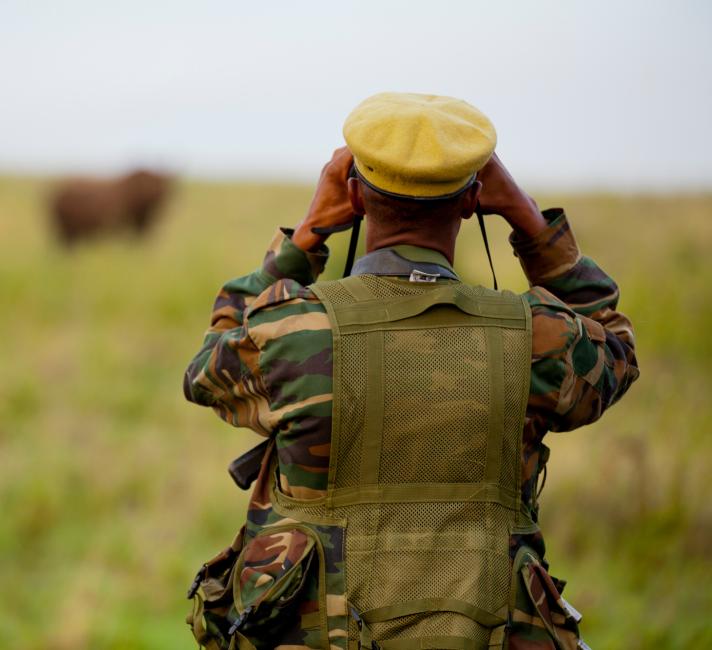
[(371, 441), (336, 394), (496, 411), (425, 493)]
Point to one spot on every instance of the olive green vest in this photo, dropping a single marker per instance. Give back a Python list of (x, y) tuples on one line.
[(431, 382)]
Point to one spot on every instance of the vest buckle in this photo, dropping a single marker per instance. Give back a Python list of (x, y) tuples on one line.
[(197, 580), (365, 640), (240, 621)]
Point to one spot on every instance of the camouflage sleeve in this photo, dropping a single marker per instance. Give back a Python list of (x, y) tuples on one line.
[(583, 349), (225, 374)]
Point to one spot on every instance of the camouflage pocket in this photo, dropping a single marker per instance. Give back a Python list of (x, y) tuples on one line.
[(541, 617), (211, 593), (271, 574), (275, 588)]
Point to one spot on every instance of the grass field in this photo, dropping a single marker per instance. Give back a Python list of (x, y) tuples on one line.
[(114, 489)]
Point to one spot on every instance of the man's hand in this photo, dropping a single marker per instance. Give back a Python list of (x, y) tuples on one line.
[(330, 206), (501, 195)]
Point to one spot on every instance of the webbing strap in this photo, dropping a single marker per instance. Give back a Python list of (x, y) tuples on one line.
[(368, 310), (409, 313), (353, 243), (357, 288), (366, 642), (336, 403), (240, 642), (373, 430), (424, 493), (431, 643), (432, 319), (429, 605), (196, 620), (481, 221), (496, 407), (446, 295), (419, 606)]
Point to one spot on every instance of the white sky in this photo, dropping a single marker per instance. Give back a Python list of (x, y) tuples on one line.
[(583, 93)]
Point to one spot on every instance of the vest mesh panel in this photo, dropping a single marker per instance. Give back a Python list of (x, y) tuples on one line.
[(434, 390), (515, 347), (385, 288)]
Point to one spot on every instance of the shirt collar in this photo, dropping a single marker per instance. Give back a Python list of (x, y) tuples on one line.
[(402, 260), (420, 254)]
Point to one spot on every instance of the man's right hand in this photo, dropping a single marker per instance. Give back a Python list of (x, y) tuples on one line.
[(330, 206), (501, 195)]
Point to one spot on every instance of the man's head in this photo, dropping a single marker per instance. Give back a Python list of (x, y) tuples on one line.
[(416, 157), (434, 223)]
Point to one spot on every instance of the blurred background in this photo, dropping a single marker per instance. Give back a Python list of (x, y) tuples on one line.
[(113, 489)]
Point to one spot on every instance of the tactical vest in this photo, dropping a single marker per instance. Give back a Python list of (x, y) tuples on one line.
[(431, 381)]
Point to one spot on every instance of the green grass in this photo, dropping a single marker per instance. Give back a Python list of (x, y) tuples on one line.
[(114, 489)]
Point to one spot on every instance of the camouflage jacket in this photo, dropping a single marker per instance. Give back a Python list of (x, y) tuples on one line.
[(266, 360)]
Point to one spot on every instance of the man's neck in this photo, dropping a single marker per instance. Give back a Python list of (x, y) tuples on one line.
[(403, 260), (447, 249)]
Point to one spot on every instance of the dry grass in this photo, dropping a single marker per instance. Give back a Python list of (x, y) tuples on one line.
[(113, 488)]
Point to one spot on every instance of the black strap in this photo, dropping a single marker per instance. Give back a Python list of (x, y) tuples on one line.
[(355, 226), (353, 243), (330, 230), (481, 220)]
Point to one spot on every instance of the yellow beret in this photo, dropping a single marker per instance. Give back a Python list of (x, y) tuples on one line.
[(418, 145)]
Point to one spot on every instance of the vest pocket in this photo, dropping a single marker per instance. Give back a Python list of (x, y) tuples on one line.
[(272, 587), (270, 577), (540, 614), (286, 587), (211, 593)]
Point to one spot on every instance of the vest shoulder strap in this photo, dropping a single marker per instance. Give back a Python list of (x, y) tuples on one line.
[(367, 299)]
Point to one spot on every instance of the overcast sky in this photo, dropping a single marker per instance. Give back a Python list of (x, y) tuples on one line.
[(583, 93)]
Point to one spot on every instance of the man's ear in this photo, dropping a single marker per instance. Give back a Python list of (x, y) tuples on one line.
[(469, 201), (356, 196)]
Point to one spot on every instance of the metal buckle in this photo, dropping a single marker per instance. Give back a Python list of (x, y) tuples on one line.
[(239, 621), (356, 617), (570, 610), (359, 623), (196, 581)]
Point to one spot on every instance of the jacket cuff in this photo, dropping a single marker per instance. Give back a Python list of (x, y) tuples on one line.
[(550, 253), (285, 260)]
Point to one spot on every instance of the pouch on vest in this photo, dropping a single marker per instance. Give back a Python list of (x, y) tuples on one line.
[(212, 597), (254, 598), (540, 614)]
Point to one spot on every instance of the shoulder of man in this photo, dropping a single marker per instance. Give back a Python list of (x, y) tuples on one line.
[(283, 309)]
